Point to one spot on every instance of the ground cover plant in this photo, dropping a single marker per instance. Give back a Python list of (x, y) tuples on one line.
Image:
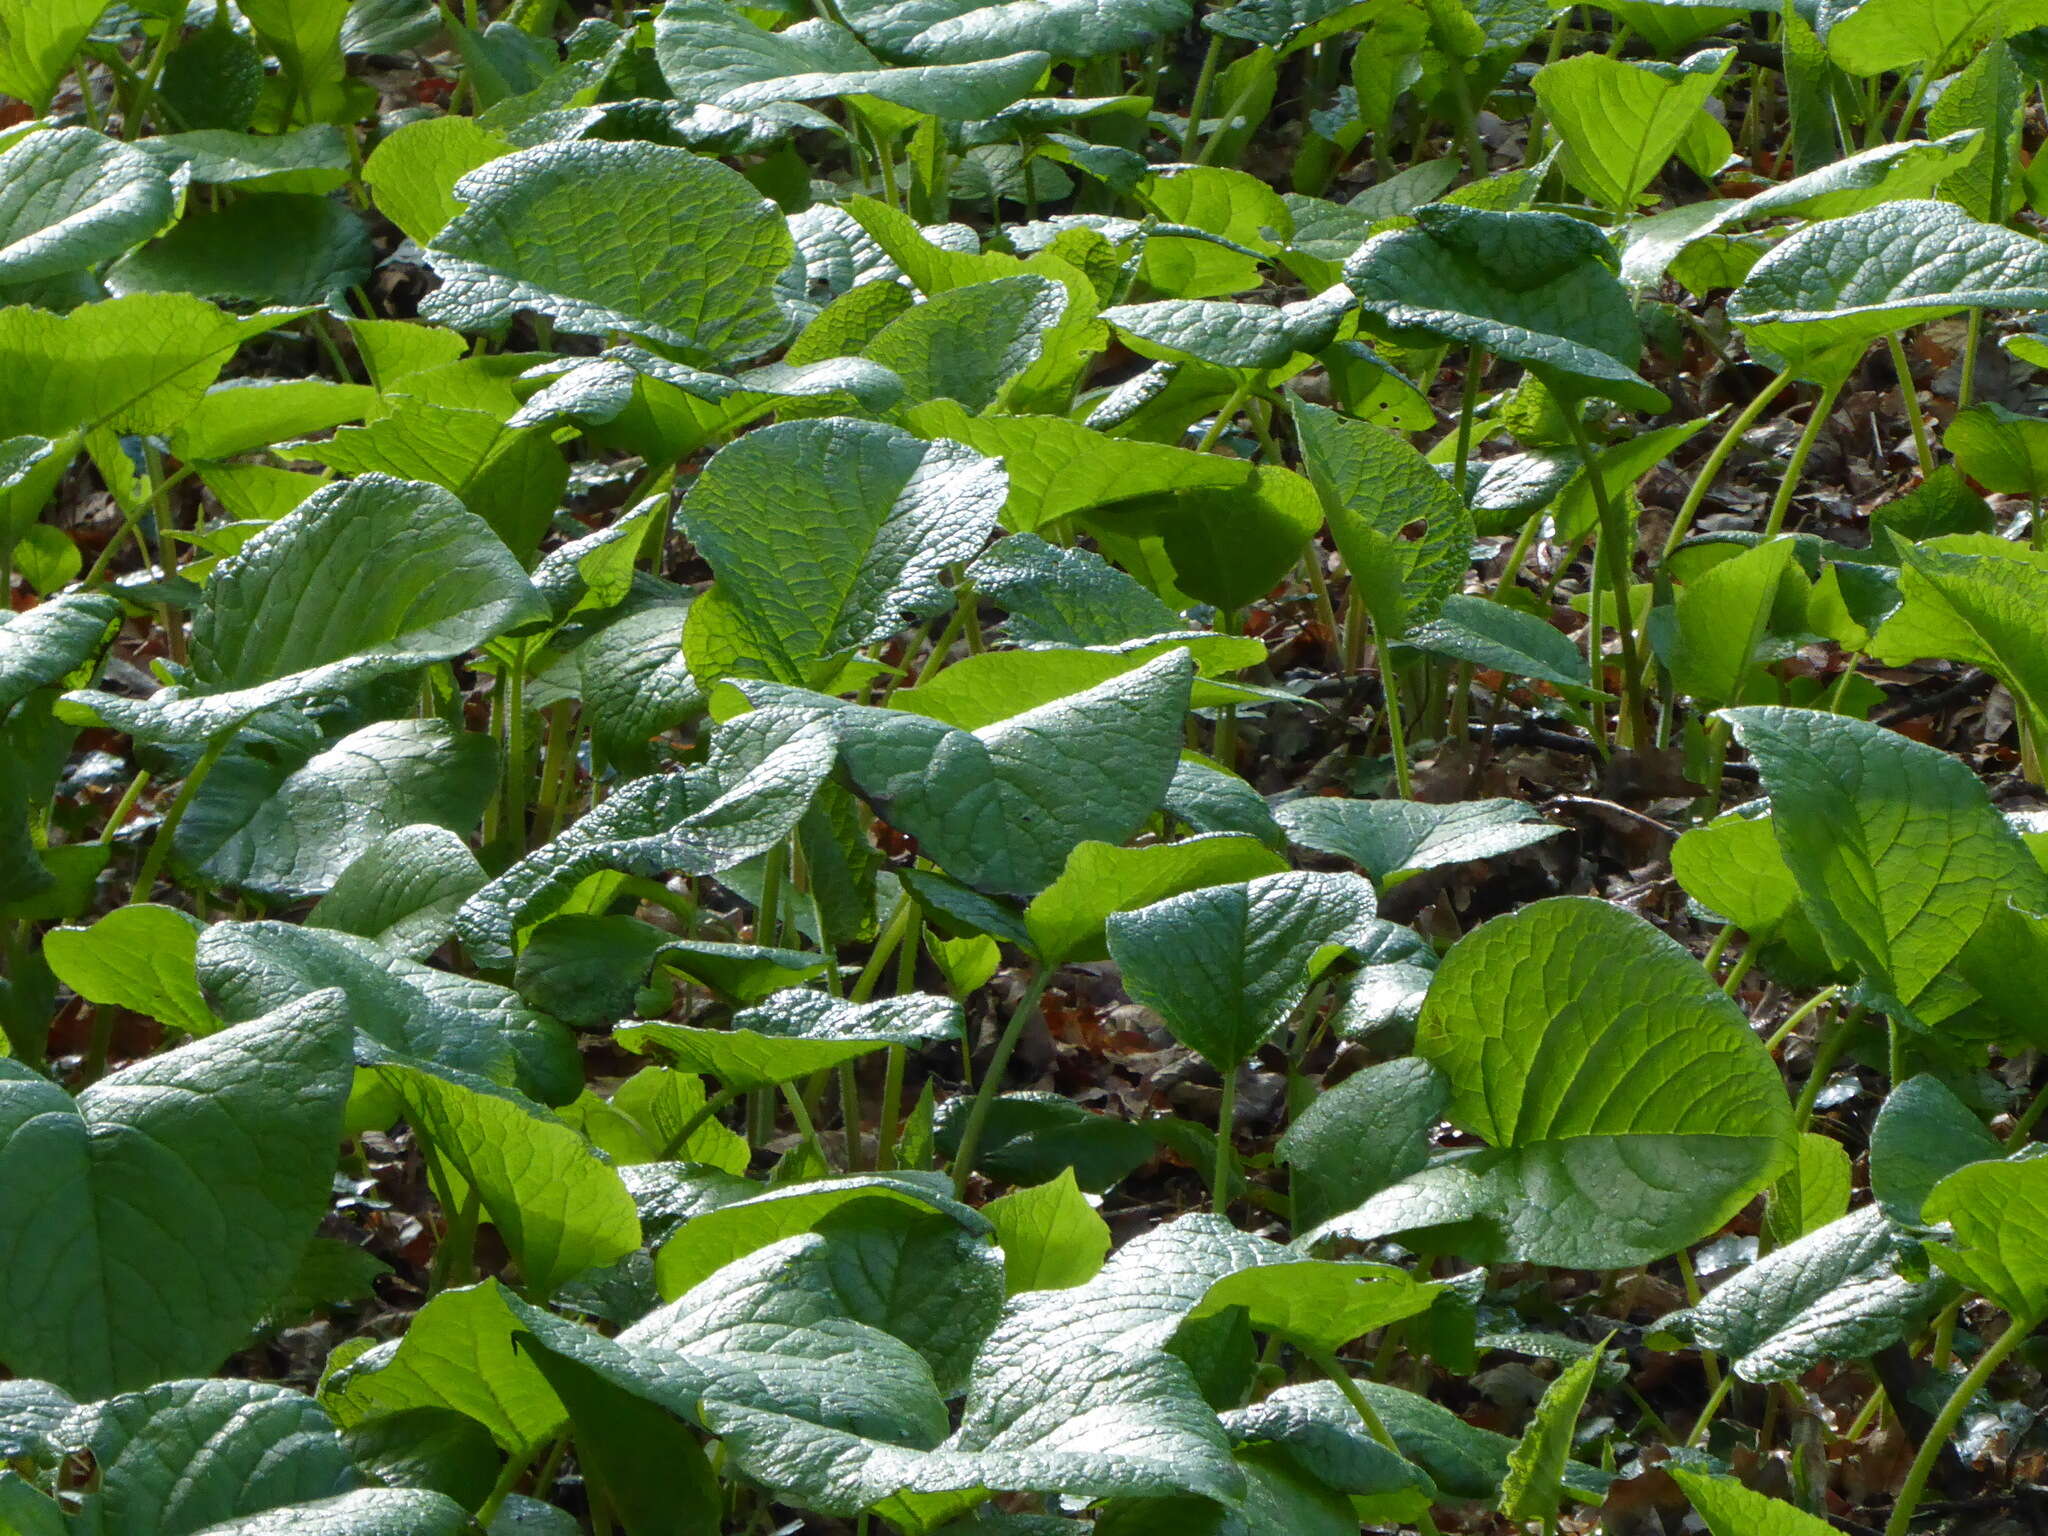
[(1023, 767)]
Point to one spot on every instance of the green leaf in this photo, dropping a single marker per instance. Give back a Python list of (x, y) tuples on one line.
[(795, 1033), (466, 1025), (981, 29), (37, 41), (138, 957), (232, 1136), (1066, 920), (1923, 1134), (1373, 486), (313, 160), (293, 828), (1815, 302), (1318, 1305), (49, 642), (969, 344), (1494, 636), (1970, 598), (1393, 839), (1999, 1214), (1536, 288), (71, 199), (1814, 1192), (263, 248), (1222, 546), (558, 1206), (601, 237), (1884, 173), (193, 1454), (1051, 1237), (1355, 1139), (1722, 621), (1248, 337), (1733, 1510), (413, 170), (1534, 1484), (1935, 36), (1621, 121), (1835, 1294), (366, 1512), (1560, 1028), (246, 414), (298, 611), (2000, 450), (1278, 1498), (403, 890), (1227, 965), (1990, 98), (1001, 808), (1898, 854), (825, 535), (456, 1353), (712, 55), (1056, 596), (305, 37)]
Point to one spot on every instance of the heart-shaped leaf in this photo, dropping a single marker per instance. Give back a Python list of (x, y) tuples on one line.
[(1999, 1214), (71, 198), (795, 1033), (213, 1160), (1392, 839)]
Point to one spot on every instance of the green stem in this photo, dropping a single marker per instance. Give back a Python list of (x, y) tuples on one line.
[(1704, 480), (711, 1106), (891, 1109), (1319, 588), (1711, 961), (849, 1114), (1952, 1411), (1390, 703), (1800, 1015), (1922, 448), (892, 934), (1204, 82), (167, 829), (1825, 1054), (1966, 386), (1740, 969), (124, 806), (1223, 417), (1368, 1416), (2028, 1118), (1787, 487), (1616, 553), (145, 94), (767, 909), (804, 1126), (1705, 1421), (1467, 404), (992, 1080), (501, 1490)]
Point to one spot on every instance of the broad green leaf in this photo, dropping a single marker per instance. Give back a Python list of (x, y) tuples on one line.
[(1223, 546), (599, 237), (1815, 302), (138, 957), (763, 772), (1373, 487), (136, 365), (213, 1160), (1245, 218), (1056, 596), (1923, 1134), (188, 1455), (1559, 1029), (246, 414), (1884, 173), (968, 344), (263, 248), (1355, 1139), (587, 970), (1972, 598), (1933, 35), (1999, 1214), (1835, 1294), (426, 1015), (1898, 854), (1722, 618), (981, 29), (666, 1105), (1316, 1304), (1033, 1137), (1496, 637), (1988, 97), (1733, 1510), (2000, 450), (270, 824), (1732, 867), (305, 37), (364, 579), (712, 55), (1536, 288), (49, 642), (1050, 1235), (1251, 337), (1226, 965), (311, 159), (825, 535), (366, 1512), (412, 172), (1812, 1193), (1534, 1484), (1393, 839), (37, 41), (714, 1239), (1001, 807), (1620, 121), (1066, 919), (457, 1352), (795, 1033), (71, 199), (560, 1209), (1463, 1460), (1058, 467), (403, 890)]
